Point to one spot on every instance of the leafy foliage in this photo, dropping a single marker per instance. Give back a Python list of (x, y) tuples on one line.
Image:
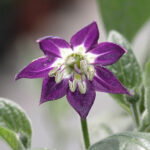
[(15, 126), (124, 141), (127, 69), (11, 138), (146, 116), (125, 16)]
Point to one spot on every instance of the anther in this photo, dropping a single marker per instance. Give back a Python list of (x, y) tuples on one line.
[(53, 72), (90, 73), (58, 77), (82, 87), (83, 66), (70, 61), (72, 85)]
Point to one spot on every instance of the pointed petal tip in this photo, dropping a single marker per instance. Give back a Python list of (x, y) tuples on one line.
[(42, 38), (41, 102), (37, 41), (18, 76), (128, 93), (94, 22)]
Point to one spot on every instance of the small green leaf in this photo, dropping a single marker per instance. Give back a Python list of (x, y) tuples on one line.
[(124, 141), (11, 138), (127, 69), (13, 118), (125, 16)]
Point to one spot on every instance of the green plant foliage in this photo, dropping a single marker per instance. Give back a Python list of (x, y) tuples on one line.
[(125, 16), (14, 122), (11, 138), (127, 69), (147, 87), (124, 141), (146, 116)]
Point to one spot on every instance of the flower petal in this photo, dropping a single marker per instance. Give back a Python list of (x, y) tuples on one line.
[(82, 103), (38, 68), (53, 45), (108, 53), (51, 90), (87, 36), (105, 81)]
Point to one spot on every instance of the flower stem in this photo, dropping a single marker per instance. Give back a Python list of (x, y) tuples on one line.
[(135, 113), (85, 133)]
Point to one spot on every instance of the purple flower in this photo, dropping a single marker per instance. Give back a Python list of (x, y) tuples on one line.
[(76, 70)]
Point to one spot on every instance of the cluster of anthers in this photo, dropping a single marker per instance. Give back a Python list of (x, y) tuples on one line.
[(77, 66)]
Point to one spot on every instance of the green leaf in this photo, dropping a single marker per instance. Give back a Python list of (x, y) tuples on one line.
[(124, 141), (11, 138), (125, 16), (14, 119), (146, 116), (127, 69), (147, 87)]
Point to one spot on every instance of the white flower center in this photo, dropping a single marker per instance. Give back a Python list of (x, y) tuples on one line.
[(75, 65)]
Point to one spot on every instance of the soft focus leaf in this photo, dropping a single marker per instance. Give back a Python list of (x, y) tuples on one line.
[(147, 87), (145, 122), (127, 69), (146, 116), (124, 141), (11, 138), (13, 118), (125, 16)]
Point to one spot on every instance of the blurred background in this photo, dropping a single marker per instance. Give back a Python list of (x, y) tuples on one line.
[(55, 124)]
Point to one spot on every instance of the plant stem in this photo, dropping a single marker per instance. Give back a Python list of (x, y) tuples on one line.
[(135, 113), (85, 133)]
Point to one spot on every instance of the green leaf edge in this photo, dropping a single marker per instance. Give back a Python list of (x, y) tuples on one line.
[(16, 144)]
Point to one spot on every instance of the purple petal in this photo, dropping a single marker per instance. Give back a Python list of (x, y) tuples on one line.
[(87, 36), (38, 68), (108, 53), (82, 103), (52, 45), (105, 81), (52, 90)]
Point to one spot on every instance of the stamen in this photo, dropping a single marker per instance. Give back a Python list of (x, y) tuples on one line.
[(82, 87), (53, 72), (90, 73), (72, 85), (83, 66), (70, 61), (76, 68), (59, 77)]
